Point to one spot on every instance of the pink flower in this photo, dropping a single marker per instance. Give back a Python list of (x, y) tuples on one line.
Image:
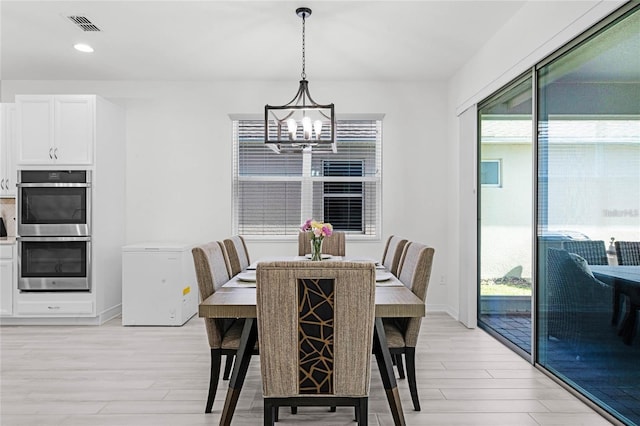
[(306, 226), (318, 229)]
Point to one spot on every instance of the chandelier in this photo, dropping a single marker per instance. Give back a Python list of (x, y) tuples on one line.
[(302, 123)]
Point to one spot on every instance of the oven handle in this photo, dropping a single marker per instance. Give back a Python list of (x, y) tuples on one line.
[(54, 185), (52, 239)]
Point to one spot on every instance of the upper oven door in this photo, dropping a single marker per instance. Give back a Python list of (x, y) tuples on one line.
[(54, 208)]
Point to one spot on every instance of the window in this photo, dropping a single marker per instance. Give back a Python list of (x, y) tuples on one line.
[(275, 193), (343, 201), (490, 173)]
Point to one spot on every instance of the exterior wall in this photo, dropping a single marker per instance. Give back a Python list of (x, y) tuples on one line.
[(507, 212), (592, 196)]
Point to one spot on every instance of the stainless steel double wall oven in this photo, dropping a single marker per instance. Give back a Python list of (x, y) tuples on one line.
[(54, 230)]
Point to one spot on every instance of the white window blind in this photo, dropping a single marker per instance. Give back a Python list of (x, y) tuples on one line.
[(275, 193)]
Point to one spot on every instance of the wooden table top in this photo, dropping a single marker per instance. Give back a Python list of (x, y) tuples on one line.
[(240, 302)]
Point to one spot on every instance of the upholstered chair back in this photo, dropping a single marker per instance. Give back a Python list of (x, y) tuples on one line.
[(414, 272), (211, 274), (333, 245), (315, 328), (392, 253), (237, 253)]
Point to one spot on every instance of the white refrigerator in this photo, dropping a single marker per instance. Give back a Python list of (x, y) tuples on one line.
[(158, 284)]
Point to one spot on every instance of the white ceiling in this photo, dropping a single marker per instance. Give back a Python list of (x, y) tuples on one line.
[(245, 40)]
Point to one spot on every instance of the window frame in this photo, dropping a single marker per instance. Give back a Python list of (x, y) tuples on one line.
[(307, 180), (497, 161)]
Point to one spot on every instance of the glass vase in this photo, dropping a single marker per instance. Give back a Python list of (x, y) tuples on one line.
[(316, 249)]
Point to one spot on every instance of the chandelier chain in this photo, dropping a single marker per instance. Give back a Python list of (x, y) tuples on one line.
[(303, 74)]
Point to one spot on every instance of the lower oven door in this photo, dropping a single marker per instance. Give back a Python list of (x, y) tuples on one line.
[(54, 263)]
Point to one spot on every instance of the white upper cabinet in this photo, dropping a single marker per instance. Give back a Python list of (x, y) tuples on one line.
[(7, 150), (55, 129)]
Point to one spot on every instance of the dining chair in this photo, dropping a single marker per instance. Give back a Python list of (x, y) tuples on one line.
[(333, 245), (392, 253), (628, 252), (237, 254), (223, 335), (315, 332), (593, 251), (402, 333)]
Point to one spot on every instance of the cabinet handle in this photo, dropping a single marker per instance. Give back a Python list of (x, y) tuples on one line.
[(55, 153), (2, 184), (51, 153), (53, 307)]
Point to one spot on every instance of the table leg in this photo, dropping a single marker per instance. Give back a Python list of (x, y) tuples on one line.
[(385, 365), (240, 367)]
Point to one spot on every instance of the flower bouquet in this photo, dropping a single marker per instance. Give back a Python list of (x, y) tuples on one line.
[(317, 231)]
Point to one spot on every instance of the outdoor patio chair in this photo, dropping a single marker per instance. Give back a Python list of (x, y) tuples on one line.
[(578, 306), (628, 252), (593, 251)]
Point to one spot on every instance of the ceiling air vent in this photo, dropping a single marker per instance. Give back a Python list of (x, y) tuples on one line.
[(83, 23)]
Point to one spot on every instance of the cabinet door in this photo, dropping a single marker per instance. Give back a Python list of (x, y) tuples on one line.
[(74, 129), (35, 129), (3, 149), (6, 287), (8, 156)]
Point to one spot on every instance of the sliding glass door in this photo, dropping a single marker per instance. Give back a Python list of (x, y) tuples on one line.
[(505, 214), (559, 214), (588, 196)]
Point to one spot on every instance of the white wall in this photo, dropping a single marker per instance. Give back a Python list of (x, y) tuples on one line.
[(179, 157), (179, 143), (538, 29)]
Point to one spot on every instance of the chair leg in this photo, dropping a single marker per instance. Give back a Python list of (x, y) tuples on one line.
[(399, 365), (216, 355), (332, 409), (269, 411), (294, 409), (363, 412), (410, 358), (228, 365)]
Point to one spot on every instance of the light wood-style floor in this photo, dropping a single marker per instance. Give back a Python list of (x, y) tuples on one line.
[(138, 376)]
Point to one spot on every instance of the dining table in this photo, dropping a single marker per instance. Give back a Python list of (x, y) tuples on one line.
[(237, 299), (625, 280)]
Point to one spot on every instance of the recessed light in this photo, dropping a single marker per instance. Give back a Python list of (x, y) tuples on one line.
[(83, 47)]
